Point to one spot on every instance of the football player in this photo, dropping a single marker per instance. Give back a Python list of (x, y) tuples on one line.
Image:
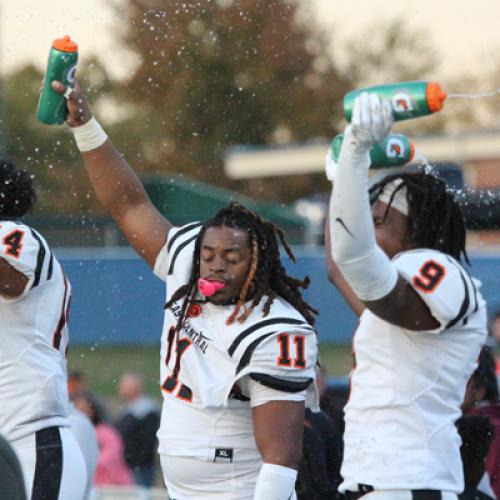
[(34, 303), (238, 350), (422, 324)]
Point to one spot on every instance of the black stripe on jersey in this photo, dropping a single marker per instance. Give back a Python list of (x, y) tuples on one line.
[(466, 302), (56, 337), (178, 251), (48, 468), (247, 355), (182, 231), (261, 324), (51, 265), (39, 258), (280, 384)]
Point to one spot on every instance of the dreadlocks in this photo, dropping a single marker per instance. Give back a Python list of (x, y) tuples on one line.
[(17, 195), (434, 217), (266, 272), (271, 278)]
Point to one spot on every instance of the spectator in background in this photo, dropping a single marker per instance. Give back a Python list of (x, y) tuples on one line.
[(481, 398), (495, 337), (495, 326), (77, 383), (319, 470), (111, 468), (476, 433), (138, 425)]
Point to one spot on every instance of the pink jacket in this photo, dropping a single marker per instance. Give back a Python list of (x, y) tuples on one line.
[(111, 467)]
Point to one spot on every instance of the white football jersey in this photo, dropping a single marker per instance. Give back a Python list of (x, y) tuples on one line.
[(407, 386), (207, 408), (33, 336)]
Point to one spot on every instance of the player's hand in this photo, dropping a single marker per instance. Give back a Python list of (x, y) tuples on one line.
[(371, 120), (78, 109)]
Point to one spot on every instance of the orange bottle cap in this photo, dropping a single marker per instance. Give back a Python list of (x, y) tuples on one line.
[(65, 44), (412, 150), (434, 96)]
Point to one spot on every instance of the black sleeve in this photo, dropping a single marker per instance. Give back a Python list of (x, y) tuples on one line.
[(281, 384)]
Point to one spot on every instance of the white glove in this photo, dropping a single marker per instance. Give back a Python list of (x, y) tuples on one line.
[(371, 121), (330, 166)]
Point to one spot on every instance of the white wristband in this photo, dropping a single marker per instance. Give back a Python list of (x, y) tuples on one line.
[(89, 136), (275, 482)]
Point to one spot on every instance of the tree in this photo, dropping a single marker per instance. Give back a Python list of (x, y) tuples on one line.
[(218, 73), (48, 152)]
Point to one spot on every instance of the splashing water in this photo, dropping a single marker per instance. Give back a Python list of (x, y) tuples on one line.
[(477, 95), (419, 156)]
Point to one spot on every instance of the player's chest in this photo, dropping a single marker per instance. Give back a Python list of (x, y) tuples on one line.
[(203, 331)]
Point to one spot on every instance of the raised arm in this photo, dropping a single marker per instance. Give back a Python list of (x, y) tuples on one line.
[(335, 276), (116, 185), (366, 267)]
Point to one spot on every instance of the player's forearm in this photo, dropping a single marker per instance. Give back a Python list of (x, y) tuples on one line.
[(335, 276), (361, 261), (114, 182), (363, 264)]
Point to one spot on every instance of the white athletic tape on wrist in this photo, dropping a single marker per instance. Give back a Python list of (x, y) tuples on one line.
[(276, 482), (89, 136), (400, 201)]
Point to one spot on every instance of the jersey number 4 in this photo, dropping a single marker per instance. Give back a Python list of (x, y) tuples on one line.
[(284, 359), (14, 243)]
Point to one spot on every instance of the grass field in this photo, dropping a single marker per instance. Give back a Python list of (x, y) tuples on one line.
[(102, 366)]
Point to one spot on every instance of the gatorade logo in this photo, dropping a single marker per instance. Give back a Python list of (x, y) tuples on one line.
[(402, 102), (70, 75), (395, 148)]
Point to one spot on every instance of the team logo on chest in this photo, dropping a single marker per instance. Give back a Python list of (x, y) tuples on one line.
[(194, 310), (198, 338)]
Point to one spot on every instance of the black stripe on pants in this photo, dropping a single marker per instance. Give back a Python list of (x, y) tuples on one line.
[(48, 468), (415, 494)]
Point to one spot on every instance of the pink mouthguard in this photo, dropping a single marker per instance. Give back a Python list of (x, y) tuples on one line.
[(209, 288)]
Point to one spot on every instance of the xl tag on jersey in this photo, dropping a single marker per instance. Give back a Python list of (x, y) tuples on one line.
[(223, 455)]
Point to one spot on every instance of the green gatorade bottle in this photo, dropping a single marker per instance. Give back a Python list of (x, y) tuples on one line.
[(408, 99), (61, 66), (393, 151)]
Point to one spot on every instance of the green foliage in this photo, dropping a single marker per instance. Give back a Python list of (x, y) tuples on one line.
[(214, 74), (390, 52), (48, 152), (211, 75)]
